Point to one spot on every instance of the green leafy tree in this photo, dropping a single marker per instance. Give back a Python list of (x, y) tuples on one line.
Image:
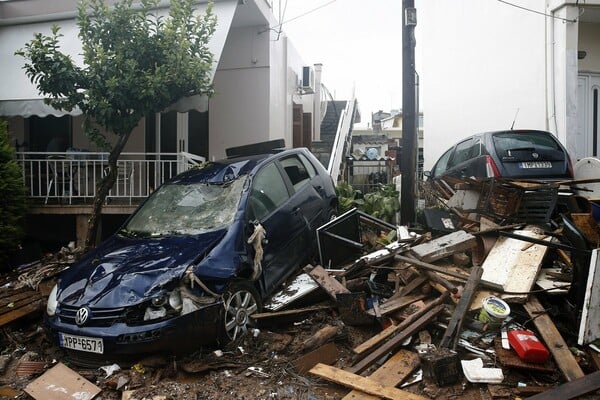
[(12, 200), (135, 64)]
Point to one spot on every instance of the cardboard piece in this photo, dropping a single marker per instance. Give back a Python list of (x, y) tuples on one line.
[(61, 383)]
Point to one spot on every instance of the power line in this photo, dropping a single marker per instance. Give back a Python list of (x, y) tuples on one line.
[(537, 12), (301, 15)]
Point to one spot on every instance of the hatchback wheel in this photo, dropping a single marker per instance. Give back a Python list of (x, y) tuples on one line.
[(241, 301)]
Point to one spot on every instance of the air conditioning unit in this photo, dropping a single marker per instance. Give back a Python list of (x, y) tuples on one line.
[(308, 80)]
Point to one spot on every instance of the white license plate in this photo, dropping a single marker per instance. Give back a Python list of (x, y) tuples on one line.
[(81, 343), (535, 164)]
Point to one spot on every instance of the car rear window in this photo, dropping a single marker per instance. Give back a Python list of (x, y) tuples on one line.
[(507, 142)]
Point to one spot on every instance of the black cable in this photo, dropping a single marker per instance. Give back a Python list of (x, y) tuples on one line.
[(536, 12)]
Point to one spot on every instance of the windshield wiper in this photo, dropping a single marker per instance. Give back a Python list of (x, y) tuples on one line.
[(134, 234)]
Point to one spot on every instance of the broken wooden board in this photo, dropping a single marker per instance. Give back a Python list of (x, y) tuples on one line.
[(302, 285), (455, 324), (287, 313), (327, 282), (589, 330), (393, 343), (326, 354), (563, 357), (396, 304), (444, 246), (392, 373), (570, 390), (513, 265), (389, 331), (61, 383), (357, 382), (550, 284), (588, 226)]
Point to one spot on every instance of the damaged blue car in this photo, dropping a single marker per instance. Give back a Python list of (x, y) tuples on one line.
[(195, 260)]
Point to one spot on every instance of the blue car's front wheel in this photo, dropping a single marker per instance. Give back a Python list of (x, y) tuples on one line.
[(241, 301)]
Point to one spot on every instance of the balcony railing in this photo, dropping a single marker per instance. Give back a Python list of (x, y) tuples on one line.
[(73, 177)]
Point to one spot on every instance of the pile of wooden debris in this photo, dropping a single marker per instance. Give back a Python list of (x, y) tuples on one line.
[(501, 291), (496, 299)]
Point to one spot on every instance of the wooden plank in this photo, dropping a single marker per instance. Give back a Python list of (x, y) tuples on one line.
[(431, 267), (361, 383), (589, 329), (392, 373), (326, 354), (462, 307), (444, 246), (327, 282), (572, 389), (295, 311), (22, 302), (387, 332), (510, 268), (61, 383), (396, 304), (558, 347), (21, 312), (395, 342)]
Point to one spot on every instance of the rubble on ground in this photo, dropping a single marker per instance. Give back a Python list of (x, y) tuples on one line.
[(496, 297)]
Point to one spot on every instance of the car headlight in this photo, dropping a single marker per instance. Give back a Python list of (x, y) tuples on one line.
[(162, 305), (52, 301)]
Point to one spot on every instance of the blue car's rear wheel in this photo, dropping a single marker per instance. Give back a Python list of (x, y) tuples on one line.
[(241, 301)]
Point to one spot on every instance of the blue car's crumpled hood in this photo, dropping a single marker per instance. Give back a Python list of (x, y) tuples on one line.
[(125, 271)]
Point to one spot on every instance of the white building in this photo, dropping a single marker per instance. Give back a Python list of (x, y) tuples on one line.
[(486, 65), (263, 92)]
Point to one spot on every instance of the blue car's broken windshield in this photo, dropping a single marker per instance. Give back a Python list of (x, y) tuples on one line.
[(187, 209)]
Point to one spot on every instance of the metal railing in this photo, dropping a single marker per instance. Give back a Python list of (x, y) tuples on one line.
[(73, 177), (342, 140)]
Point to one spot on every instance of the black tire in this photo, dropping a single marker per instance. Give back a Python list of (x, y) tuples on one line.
[(241, 301)]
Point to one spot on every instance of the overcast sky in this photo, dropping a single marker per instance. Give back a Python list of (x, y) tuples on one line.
[(359, 44)]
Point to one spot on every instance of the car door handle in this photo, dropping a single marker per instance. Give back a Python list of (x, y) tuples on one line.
[(296, 211)]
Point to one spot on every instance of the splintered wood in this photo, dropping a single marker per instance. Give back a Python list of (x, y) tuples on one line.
[(357, 382), (513, 265)]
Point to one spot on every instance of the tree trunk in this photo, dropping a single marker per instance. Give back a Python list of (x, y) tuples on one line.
[(103, 188)]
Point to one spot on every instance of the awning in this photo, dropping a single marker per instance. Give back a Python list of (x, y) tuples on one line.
[(19, 97)]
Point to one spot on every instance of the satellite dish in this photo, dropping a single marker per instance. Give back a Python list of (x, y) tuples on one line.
[(588, 168)]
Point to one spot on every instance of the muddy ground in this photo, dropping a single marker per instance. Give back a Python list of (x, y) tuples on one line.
[(260, 366)]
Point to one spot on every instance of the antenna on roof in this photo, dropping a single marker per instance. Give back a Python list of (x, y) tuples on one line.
[(514, 119)]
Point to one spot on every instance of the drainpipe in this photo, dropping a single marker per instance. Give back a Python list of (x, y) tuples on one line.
[(317, 104)]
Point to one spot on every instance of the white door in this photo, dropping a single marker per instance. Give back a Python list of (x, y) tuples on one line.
[(587, 143)]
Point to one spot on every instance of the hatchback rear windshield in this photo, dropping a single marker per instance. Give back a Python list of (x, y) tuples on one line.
[(507, 142)]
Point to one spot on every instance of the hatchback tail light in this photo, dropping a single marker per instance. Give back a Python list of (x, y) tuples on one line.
[(491, 167)]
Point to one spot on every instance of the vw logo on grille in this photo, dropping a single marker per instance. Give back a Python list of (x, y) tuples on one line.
[(535, 155), (82, 316)]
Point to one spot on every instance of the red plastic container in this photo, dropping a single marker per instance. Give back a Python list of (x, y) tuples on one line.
[(528, 346)]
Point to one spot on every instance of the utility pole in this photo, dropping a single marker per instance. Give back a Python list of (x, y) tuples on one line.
[(409, 118)]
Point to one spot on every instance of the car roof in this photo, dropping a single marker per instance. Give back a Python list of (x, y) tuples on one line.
[(224, 170)]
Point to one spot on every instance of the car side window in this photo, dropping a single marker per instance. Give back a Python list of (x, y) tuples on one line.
[(296, 171), (463, 152), (442, 163), (268, 192), (309, 167)]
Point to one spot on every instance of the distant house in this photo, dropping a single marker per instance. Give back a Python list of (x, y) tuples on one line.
[(496, 65), (263, 92)]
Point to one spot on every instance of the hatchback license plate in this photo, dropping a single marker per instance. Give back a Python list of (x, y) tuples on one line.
[(535, 164), (81, 343)]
